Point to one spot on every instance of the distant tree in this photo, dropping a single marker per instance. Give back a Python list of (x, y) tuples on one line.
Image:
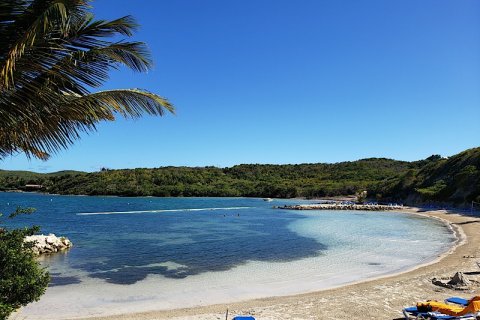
[(434, 157), (22, 279), (52, 53), (432, 191)]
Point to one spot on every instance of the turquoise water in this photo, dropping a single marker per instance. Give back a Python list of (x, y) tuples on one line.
[(134, 254)]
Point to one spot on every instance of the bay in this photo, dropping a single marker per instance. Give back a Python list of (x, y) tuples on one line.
[(138, 254)]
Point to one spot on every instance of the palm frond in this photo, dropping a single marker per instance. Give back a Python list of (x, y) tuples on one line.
[(52, 53), (46, 133), (130, 103)]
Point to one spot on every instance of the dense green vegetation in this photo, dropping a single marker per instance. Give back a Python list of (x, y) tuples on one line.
[(22, 279), (453, 180), (309, 180)]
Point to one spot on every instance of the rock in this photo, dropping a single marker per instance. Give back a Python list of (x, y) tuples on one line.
[(66, 242), (459, 280), (48, 244), (51, 239)]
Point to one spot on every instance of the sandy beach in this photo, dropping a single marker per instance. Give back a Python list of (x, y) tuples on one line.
[(381, 298)]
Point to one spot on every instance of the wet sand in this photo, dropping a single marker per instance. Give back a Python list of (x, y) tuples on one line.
[(381, 298)]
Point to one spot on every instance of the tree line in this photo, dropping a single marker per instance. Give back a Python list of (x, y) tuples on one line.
[(455, 180)]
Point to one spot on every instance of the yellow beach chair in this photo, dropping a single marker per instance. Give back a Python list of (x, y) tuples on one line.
[(473, 307)]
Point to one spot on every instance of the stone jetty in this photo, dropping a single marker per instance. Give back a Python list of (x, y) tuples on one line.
[(341, 206), (48, 244)]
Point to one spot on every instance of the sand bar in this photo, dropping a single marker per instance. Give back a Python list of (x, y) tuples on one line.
[(381, 298)]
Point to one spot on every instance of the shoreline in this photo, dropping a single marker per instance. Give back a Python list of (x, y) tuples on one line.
[(376, 300)]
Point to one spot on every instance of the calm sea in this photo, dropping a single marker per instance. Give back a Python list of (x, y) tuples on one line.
[(135, 254)]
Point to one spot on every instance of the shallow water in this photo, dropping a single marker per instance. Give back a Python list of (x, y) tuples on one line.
[(135, 254)]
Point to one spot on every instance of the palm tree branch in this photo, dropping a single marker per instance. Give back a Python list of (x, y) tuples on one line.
[(52, 53)]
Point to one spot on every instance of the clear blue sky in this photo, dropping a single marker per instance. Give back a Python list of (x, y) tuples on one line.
[(274, 81)]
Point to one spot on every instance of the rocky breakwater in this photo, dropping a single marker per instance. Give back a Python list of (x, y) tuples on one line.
[(48, 244), (340, 206)]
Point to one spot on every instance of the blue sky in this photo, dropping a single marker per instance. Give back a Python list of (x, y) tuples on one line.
[(292, 82)]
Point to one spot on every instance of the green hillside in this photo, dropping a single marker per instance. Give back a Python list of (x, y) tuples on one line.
[(16, 180), (286, 181), (454, 180)]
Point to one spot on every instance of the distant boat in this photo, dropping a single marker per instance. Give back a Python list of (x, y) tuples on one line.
[(267, 199)]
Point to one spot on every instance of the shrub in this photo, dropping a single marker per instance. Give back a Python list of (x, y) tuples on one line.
[(22, 279)]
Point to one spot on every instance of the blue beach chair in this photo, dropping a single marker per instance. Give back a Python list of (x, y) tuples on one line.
[(457, 300), (243, 318)]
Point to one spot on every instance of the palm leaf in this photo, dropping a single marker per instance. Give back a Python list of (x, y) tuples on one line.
[(127, 102), (46, 133), (41, 16)]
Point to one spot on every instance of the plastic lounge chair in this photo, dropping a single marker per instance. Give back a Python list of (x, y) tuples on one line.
[(439, 310), (243, 318), (413, 312), (473, 307)]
